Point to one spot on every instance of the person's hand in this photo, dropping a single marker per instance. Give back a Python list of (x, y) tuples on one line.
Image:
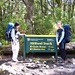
[(23, 31), (23, 34), (57, 43)]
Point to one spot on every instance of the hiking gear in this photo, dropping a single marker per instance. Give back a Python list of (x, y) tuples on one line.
[(8, 31), (15, 35), (67, 31)]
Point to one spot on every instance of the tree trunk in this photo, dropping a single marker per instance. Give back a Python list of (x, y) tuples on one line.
[(72, 14), (29, 15), (46, 7), (69, 11), (0, 15), (64, 8), (41, 2)]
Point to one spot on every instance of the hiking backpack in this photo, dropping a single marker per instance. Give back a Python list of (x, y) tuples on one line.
[(9, 28), (67, 30)]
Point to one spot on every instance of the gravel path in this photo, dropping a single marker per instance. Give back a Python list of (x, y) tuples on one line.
[(37, 64)]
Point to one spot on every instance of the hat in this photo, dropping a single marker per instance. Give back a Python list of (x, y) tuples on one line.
[(16, 24)]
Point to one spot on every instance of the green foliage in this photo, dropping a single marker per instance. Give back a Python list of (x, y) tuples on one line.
[(58, 13), (43, 24), (11, 14), (46, 14), (73, 40)]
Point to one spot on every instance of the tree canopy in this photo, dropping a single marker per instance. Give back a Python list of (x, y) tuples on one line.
[(36, 16)]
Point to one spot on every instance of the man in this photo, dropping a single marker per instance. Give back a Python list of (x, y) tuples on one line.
[(60, 41), (15, 41)]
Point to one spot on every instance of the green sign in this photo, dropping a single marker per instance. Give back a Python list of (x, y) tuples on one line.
[(40, 43)]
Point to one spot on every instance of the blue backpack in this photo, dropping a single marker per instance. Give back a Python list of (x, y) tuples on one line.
[(67, 30), (9, 28)]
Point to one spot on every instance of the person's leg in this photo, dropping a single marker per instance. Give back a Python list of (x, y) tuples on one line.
[(62, 51), (15, 50)]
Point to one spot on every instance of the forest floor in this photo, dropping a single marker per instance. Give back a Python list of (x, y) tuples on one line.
[(39, 59), (37, 64)]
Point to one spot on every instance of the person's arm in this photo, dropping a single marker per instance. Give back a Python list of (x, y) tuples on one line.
[(56, 37), (62, 36), (13, 34), (20, 34)]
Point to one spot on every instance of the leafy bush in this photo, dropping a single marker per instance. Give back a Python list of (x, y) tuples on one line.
[(43, 24)]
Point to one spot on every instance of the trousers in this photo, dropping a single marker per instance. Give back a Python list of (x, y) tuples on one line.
[(62, 50), (15, 50)]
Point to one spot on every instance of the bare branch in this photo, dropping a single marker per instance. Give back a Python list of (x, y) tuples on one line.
[(49, 3), (24, 2)]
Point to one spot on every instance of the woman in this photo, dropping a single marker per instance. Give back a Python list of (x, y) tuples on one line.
[(15, 41), (60, 40)]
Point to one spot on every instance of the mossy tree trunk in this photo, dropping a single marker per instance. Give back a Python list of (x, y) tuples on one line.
[(29, 14)]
